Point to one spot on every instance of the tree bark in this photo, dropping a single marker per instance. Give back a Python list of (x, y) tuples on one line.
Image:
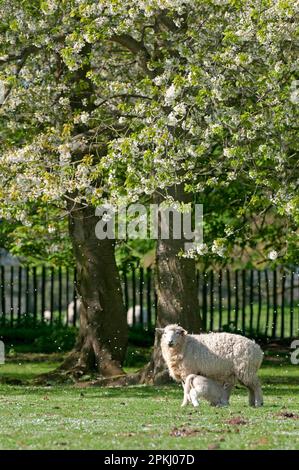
[(103, 335), (177, 293)]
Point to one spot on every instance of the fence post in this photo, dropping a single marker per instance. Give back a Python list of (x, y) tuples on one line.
[(274, 325), (34, 294), (282, 303), (27, 290), (220, 298), (134, 294), (43, 292), (52, 295), (59, 295), (204, 301), (243, 301), (75, 296), (3, 304), (259, 302), (141, 282), (211, 300), (228, 296), (148, 298), (268, 302), (236, 298), (67, 294), (19, 294), (292, 306), (11, 295), (251, 301)]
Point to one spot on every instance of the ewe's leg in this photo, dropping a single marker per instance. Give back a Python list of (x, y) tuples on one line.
[(258, 394), (255, 392), (193, 397), (222, 403), (251, 396), (228, 388)]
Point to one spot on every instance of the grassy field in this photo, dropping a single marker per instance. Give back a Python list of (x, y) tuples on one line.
[(70, 417)]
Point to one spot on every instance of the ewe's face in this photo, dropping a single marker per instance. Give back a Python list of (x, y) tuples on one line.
[(173, 336)]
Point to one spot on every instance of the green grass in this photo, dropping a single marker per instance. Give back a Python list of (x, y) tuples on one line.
[(69, 417)]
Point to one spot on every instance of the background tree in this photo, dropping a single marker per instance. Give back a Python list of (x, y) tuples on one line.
[(114, 101)]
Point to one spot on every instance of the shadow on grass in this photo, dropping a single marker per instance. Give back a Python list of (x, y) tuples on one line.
[(279, 378)]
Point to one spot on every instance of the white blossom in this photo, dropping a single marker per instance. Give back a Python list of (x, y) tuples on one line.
[(180, 109), (171, 94), (172, 120), (273, 255), (84, 117), (218, 248), (159, 80)]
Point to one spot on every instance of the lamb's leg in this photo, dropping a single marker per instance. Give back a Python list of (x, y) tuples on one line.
[(186, 399), (193, 397)]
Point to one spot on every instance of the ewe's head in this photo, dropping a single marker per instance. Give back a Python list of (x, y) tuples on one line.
[(172, 335)]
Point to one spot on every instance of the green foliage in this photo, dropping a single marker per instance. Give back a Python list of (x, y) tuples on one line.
[(42, 240), (137, 357), (34, 336), (57, 339), (114, 101), (138, 336), (38, 337), (134, 252)]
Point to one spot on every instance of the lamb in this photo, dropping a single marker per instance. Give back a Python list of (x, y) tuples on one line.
[(198, 386), (224, 357)]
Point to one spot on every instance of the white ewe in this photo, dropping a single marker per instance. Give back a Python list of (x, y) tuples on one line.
[(130, 316), (69, 317), (224, 357), (197, 386), (71, 311), (47, 316)]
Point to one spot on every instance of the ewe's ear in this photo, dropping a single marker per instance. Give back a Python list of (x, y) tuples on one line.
[(183, 332), (159, 330)]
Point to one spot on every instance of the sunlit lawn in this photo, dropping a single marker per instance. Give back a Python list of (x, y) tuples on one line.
[(69, 417)]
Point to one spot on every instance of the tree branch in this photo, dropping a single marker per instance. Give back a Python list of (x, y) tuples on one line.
[(16, 57), (137, 48)]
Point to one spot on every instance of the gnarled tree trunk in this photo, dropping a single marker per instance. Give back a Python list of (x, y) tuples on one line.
[(177, 293), (103, 335)]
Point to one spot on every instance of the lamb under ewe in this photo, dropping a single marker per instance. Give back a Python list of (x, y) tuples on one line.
[(197, 386), (224, 357)]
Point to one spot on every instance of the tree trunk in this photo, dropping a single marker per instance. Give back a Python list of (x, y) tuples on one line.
[(177, 293), (103, 334)]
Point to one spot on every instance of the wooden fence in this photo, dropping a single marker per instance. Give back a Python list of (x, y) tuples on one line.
[(255, 303)]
